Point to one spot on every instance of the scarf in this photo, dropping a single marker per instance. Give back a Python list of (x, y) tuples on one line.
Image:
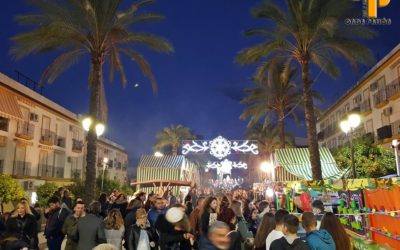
[(144, 226)]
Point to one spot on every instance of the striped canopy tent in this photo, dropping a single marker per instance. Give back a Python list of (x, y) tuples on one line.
[(168, 168), (296, 163)]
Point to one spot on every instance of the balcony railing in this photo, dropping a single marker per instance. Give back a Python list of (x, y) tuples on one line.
[(22, 168), (396, 128), (58, 172), (393, 89), (77, 145), (380, 97), (45, 170), (47, 137), (60, 141), (76, 173), (384, 132), (365, 106), (25, 130)]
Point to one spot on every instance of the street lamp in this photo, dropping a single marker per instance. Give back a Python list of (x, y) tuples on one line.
[(395, 145), (348, 126), (99, 127), (105, 161), (267, 167)]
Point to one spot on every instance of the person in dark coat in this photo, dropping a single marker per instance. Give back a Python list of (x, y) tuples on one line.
[(290, 240), (130, 217), (70, 225), (149, 202), (208, 214), (136, 236), (90, 228), (56, 216), (121, 203), (22, 226), (174, 230), (66, 199), (159, 208), (104, 205)]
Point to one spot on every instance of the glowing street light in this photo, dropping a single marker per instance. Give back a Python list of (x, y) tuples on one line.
[(99, 128), (266, 166), (105, 161), (158, 154), (348, 126)]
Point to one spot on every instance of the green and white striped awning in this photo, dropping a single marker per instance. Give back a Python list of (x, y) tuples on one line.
[(297, 162)]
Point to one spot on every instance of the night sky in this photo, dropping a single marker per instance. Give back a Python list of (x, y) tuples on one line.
[(199, 85)]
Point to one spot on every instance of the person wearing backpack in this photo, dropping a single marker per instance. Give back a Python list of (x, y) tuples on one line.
[(56, 216)]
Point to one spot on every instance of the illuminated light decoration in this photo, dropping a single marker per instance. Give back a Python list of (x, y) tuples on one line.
[(269, 192), (195, 148), (225, 166), (245, 147), (100, 128), (220, 147)]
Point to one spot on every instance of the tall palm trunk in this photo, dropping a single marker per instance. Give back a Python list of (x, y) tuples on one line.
[(310, 121), (281, 126), (175, 150), (95, 86)]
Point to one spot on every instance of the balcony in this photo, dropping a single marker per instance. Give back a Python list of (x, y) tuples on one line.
[(45, 170), (396, 129), (4, 124), (58, 172), (25, 130), (22, 168), (365, 107), (47, 137), (118, 165), (3, 141), (380, 98), (77, 146), (393, 89), (60, 141), (384, 132)]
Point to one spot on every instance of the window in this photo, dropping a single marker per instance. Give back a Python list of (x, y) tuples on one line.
[(2, 166), (381, 82), (347, 108), (385, 119), (4, 124), (370, 126), (366, 94), (357, 100)]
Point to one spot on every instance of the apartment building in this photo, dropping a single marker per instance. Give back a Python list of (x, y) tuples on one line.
[(40, 140), (375, 97), (116, 164)]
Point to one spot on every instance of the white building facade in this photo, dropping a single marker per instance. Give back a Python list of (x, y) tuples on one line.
[(376, 97), (39, 140)]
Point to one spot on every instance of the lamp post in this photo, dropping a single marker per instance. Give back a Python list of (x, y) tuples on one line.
[(105, 161), (395, 145), (99, 127), (348, 126), (266, 166)]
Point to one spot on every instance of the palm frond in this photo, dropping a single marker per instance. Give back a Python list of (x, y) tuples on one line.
[(154, 42)]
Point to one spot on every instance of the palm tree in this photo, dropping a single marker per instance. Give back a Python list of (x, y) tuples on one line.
[(74, 28), (268, 138), (309, 32), (274, 96), (171, 138)]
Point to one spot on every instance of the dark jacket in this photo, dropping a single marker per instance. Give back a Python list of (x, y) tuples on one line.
[(204, 223), (320, 240), (206, 244), (134, 235), (253, 225), (129, 220), (170, 239), (69, 228), (282, 244), (120, 206), (90, 232), (23, 228), (235, 242), (55, 221), (153, 215)]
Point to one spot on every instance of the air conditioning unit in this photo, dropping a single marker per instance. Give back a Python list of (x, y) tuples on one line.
[(33, 117), (28, 185), (373, 86), (387, 111)]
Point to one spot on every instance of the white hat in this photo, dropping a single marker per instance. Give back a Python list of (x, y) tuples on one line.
[(174, 215)]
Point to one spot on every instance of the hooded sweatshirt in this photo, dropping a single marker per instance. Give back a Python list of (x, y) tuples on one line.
[(320, 240), (289, 243)]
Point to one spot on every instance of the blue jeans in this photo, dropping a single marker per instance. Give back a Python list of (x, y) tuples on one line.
[(54, 243)]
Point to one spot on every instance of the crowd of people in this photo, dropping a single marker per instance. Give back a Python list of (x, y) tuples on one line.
[(227, 221)]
